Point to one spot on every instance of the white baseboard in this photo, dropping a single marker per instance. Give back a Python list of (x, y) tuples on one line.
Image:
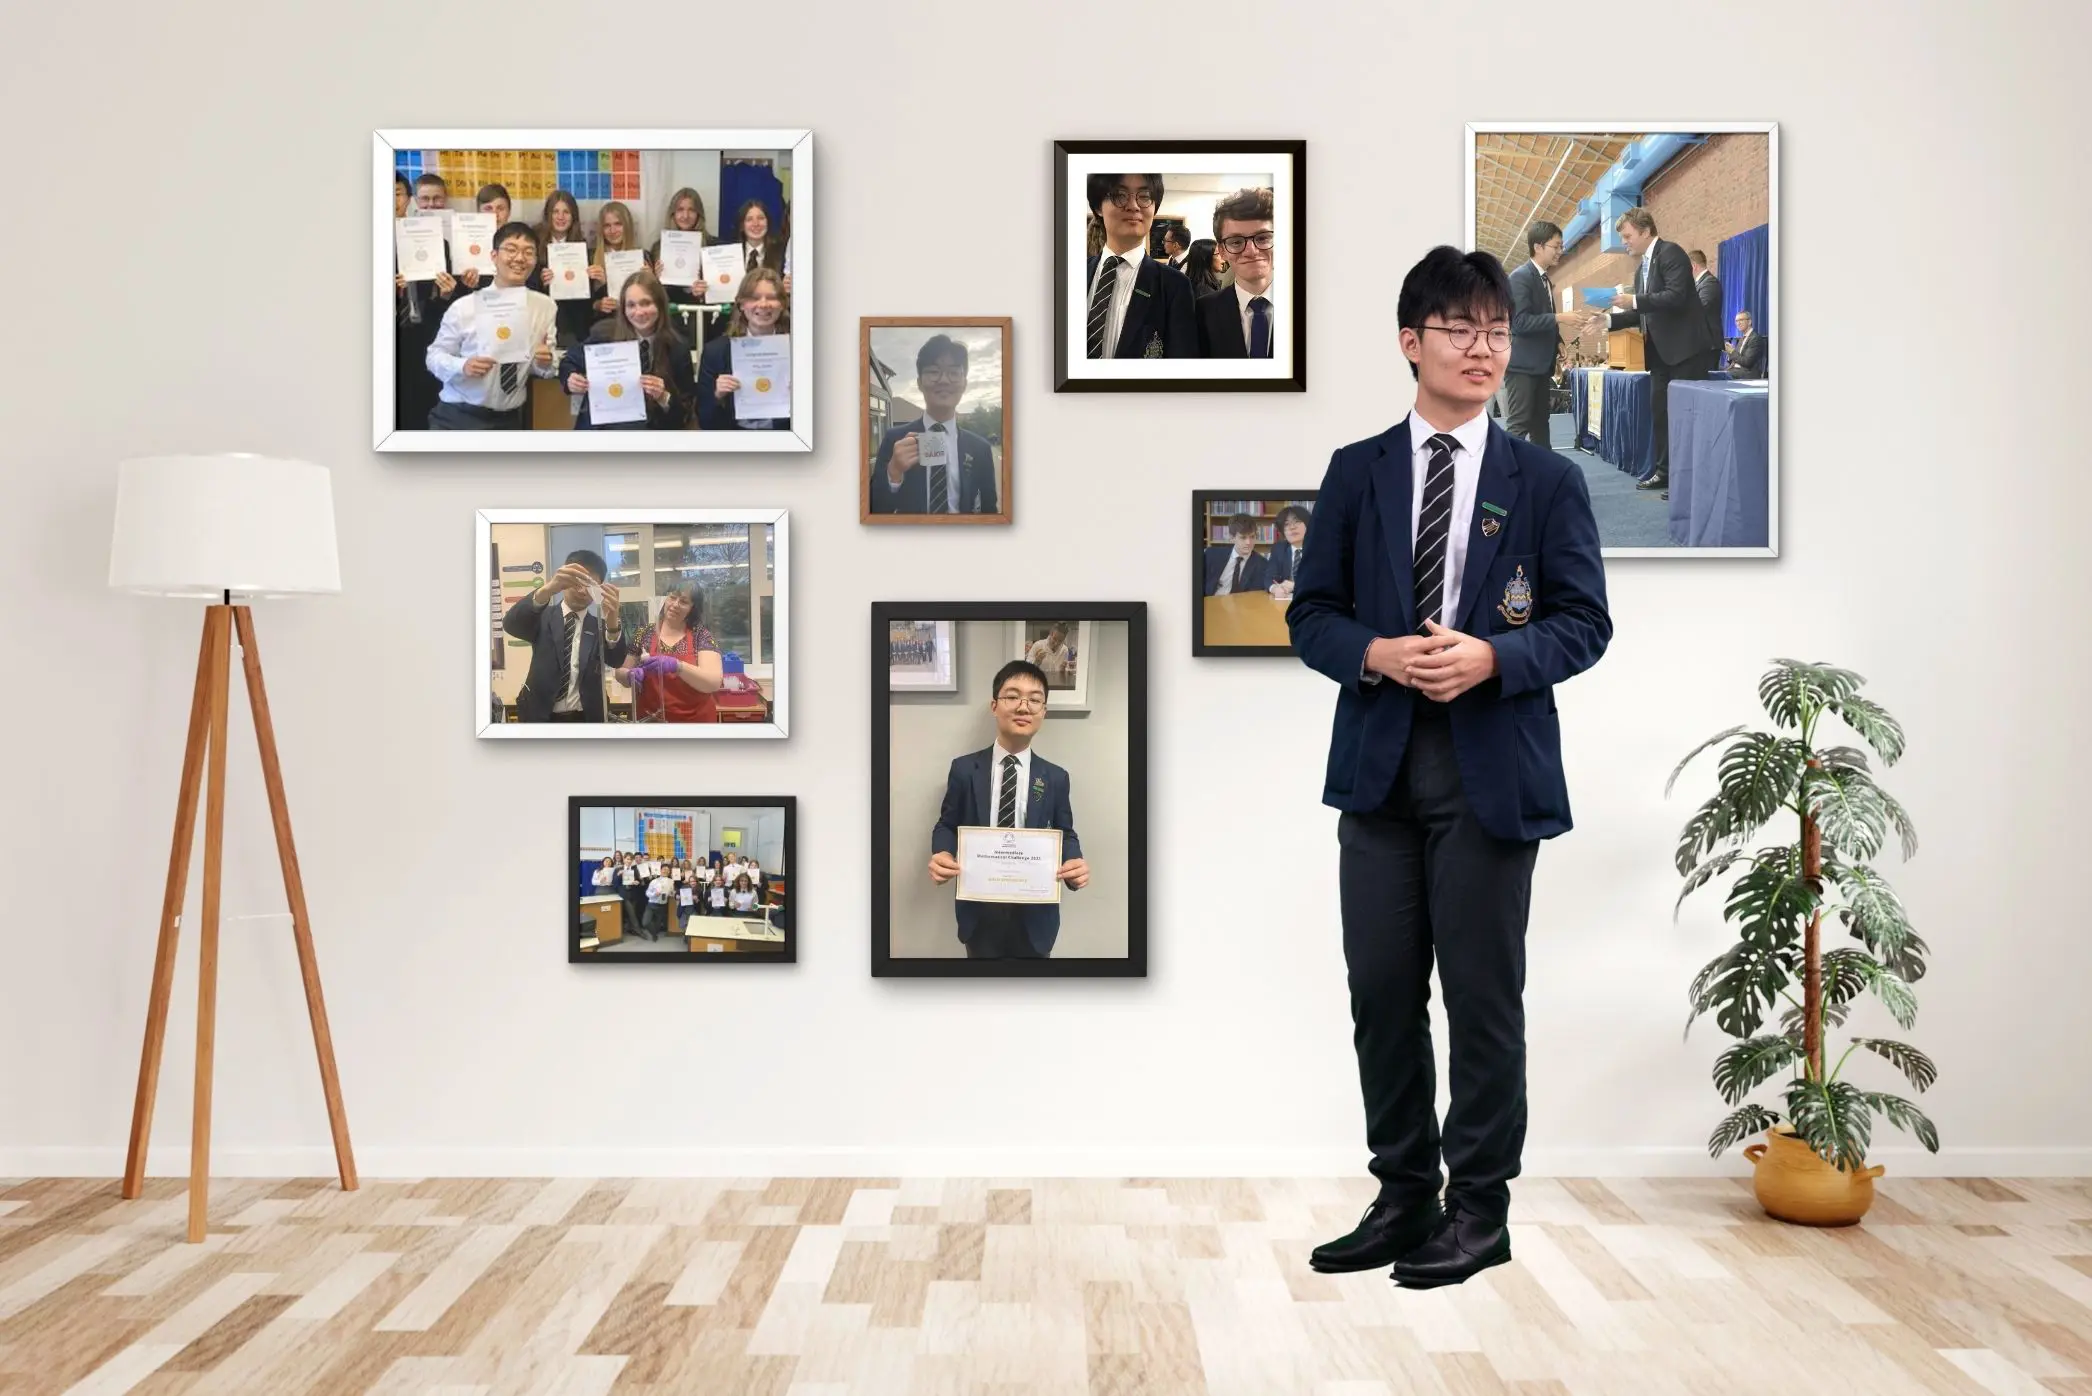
[(1012, 1161)]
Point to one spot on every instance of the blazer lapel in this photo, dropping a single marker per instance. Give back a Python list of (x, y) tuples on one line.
[(1035, 800), (983, 793), (1393, 484), (1498, 485), (1133, 334)]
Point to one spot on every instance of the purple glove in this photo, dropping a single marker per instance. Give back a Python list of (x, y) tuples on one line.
[(663, 664)]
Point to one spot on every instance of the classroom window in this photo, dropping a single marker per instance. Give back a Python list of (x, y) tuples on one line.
[(621, 553), (717, 557)]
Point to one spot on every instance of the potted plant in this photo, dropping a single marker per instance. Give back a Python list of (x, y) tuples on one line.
[(1812, 1167)]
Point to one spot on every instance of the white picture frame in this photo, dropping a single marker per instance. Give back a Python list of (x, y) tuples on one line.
[(1774, 339), (772, 646), (386, 146), (1074, 698), (943, 674)]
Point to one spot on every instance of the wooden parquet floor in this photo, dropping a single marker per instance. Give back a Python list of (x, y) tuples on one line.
[(863, 1287)]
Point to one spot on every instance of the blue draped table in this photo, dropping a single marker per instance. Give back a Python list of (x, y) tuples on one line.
[(1624, 437), (1720, 464)]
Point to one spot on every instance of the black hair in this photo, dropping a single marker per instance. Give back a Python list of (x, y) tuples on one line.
[(1451, 282), (1291, 511), (1540, 233), (402, 181), (1017, 668), (1198, 265), (593, 561), (936, 347), (1177, 233), (1099, 187), (516, 228)]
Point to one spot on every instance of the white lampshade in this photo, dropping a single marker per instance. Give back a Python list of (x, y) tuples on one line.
[(206, 525)]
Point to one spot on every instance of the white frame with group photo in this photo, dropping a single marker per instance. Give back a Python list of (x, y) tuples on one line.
[(775, 646), (386, 436), (944, 678)]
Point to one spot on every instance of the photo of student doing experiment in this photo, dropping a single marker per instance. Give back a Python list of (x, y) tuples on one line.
[(1644, 277), (1245, 556), (669, 626), (1011, 835), (679, 880), (584, 288)]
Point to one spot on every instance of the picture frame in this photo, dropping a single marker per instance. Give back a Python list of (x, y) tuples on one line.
[(889, 395), (1070, 689), (1251, 624), (723, 162), (932, 667), (741, 560), (601, 925), (1708, 183), (1158, 348), (1104, 758)]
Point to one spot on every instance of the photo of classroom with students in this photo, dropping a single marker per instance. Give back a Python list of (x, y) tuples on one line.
[(697, 879), (585, 290), (1247, 555), (666, 625), (1643, 269)]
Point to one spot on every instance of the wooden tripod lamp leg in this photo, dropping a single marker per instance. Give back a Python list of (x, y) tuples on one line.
[(170, 919), (294, 891), (207, 932)]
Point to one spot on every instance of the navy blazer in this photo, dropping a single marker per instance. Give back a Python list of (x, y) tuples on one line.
[(1256, 573), (677, 374), (976, 475), (716, 413), (1219, 316), (541, 627), (1159, 322), (1535, 334), (1280, 565), (969, 798), (1358, 586)]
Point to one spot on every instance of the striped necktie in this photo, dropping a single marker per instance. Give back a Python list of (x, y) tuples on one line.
[(570, 690), (939, 484), (1100, 303), (1006, 802), (1434, 526)]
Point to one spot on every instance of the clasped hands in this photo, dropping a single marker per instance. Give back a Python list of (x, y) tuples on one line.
[(1075, 871), (1441, 665)]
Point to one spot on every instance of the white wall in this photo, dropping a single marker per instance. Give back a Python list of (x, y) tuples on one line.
[(1936, 487)]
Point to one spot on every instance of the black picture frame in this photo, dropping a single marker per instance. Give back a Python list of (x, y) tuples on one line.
[(1201, 646), (788, 922), (1134, 964), (1065, 258)]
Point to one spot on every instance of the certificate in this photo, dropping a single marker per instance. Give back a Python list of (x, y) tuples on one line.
[(472, 242), (763, 363), (723, 265), (419, 243), (569, 264), (504, 325), (617, 270), (1009, 865), (613, 382), (681, 261)]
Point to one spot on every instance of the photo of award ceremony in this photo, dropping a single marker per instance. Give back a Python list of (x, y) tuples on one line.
[(589, 290), (1007, 818), (681, 880), (646, 624), (1245, 556), (1644, 278)]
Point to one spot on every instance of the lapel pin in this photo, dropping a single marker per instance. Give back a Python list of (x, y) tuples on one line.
[(1489, 526), (1496, 509)]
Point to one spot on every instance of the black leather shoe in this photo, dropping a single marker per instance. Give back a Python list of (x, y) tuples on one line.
[(1654, 482), (1383, 1233), (1462, 1247)]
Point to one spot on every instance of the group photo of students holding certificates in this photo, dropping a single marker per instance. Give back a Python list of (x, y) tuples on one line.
[(592, 291)]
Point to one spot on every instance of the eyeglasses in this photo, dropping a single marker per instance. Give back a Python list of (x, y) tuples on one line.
[(1234, 245), (1463, 336), (1023, 703), (942, 375), (1126, 198)]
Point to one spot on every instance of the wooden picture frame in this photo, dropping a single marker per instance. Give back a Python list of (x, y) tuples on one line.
[(875, 378)]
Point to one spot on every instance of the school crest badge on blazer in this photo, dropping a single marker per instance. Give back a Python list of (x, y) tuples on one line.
[(1155, 349), (1517, 605)]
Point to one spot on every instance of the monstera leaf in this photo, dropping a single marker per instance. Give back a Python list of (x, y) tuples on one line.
[(1769, 903), (1758, 772), (1716, 740), (1792, 689), (1904, 1116), (1743, 989), (1874, 914), (1905, 1058), (1873, 724), (1831, 1119), (1848, 807), (1741, 1124), (1750, 1064)]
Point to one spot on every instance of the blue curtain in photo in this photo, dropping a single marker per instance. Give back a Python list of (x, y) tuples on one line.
[(1745, 266), (740, 181)]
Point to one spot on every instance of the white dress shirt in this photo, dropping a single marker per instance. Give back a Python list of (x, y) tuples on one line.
[(1243, 296), (660, 890), (603, 876), (1121, 294), (457, 340), (997, 753), (570, 700), (951, 474), (1226, 586), (1472, 435)]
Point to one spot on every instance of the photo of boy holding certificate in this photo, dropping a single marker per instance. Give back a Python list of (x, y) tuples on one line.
[(1007, 786), (735, 385), (493, 342)]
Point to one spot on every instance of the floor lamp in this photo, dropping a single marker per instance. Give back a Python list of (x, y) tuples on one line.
[(216, 528)]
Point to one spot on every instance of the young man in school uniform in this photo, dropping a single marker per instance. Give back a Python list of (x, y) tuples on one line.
[(964, 483), (479, 394), (1236, 566), (1008, 786), (1236, 321), (1457, 579), (1139, 307), (569, 647)]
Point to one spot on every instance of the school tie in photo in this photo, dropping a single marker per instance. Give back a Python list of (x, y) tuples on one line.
[(570, 687), (1006, 802), (1259, 328), (755, 256), (511, 375), (935, 502), (1100, 303), (1235, 575), (1434, 524)]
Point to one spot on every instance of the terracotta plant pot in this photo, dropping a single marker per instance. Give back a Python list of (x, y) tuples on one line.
[(1794, 1185)]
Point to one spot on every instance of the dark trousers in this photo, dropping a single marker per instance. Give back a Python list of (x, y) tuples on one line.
[(1661, 376), (1525, 406), (998, 934), (1419, 879), (463, 416)]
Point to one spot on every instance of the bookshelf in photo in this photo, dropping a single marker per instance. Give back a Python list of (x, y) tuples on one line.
[(1264, 511), (528, 175)]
